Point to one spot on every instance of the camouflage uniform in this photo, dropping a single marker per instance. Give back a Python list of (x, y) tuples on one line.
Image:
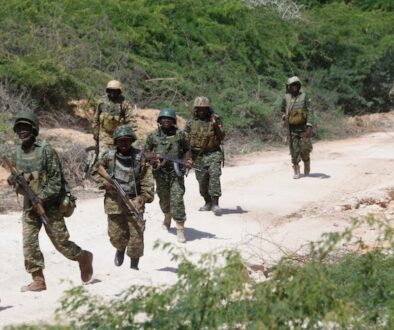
[(205, 139), (135, 177), (301, 146), (169, 187), (41, 168), (108, 116)]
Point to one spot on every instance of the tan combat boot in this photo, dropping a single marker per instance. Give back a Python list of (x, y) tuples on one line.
[(38, 283), (307, 167), (85, 261), (167, 221), (180, 232), (296, 169)]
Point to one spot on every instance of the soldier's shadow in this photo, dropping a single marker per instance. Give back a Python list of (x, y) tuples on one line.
[(317, 175), (5, 307), (237, 210), (169, 269), (193, 234)]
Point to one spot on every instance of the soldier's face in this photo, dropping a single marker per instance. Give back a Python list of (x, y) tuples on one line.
[(166, 122), (123, 144), (113, 93), (202, 112), (24, 132), (294, 88)]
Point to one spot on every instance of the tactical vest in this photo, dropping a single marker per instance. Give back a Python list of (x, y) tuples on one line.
[(111, 116), (167, 144), (202, 136), (32, 165), (126, 170), (295, 108)]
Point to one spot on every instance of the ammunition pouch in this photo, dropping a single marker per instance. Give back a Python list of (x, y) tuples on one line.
[(298, 117), (67, 204)]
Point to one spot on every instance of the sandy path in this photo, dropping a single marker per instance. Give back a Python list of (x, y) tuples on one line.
[(262, 206)]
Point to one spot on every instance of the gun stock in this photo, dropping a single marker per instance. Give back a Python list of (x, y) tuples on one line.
[(34, 200)]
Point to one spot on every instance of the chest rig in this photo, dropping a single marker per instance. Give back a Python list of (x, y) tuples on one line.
[(112, 115), (203, 137), (126, 170), (32, 165)]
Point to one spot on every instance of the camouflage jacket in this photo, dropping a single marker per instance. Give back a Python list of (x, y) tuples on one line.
[(132, 172), (41, 167), (176, 145), (109, 115)]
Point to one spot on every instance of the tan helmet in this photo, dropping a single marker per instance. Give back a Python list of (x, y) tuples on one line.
[(114, 84), (293, 80), (202, 102)]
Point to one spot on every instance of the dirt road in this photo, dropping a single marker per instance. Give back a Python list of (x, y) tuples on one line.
[(263, 208)]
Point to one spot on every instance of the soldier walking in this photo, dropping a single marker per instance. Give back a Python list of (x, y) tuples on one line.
[(129, 168), (206, 134), (170, 142), (112, 111), (297, 116), (40, 166)]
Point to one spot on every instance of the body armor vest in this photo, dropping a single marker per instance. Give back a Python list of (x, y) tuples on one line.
[(167, 144), (111, 116), (203, 137), (126, 170), (32, 165), (295, 108)]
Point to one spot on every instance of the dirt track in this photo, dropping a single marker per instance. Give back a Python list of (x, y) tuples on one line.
[(263, 208)]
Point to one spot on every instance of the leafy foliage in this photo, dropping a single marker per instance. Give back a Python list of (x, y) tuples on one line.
[(166, 53)]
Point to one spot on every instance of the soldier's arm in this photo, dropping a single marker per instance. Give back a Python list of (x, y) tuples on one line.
[(53, 183), (218, 127), (103, 161), (311, 115), (130, 116), (187, 128), (149, 146), (146, 182)]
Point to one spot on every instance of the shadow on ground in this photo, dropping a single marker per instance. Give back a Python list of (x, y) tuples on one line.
[(193, 234)]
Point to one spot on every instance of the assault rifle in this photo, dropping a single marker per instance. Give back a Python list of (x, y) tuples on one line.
[(34, 200), (122, 194), (177, 162)]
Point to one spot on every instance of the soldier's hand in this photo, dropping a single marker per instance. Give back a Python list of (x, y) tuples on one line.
[(139, 202), (308, 132), (11, 180), (154, 162), (109, 187), (189, 163)]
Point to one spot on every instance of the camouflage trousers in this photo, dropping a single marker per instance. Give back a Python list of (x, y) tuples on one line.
[(125, 233), (301, 147), (170, 188), (209, 176), (58, 234)]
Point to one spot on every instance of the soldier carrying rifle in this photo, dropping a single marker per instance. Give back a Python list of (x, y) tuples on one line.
[(37, 175), (128, 167), (165, 144)]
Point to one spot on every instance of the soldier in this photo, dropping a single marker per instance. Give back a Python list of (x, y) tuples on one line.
[(129, 168), (169, 141), (42, 170), (206, 134), (112, 111), (298, 119)]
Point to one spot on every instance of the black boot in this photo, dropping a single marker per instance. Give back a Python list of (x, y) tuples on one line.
[(207, 206), (134, 263), (215, 206), (119, 257)]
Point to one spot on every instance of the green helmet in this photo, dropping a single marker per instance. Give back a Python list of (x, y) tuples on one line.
[(27, 118), (167, 112), (124, 130)]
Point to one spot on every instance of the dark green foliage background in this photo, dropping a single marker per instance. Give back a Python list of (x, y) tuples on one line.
[(168, 52)]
